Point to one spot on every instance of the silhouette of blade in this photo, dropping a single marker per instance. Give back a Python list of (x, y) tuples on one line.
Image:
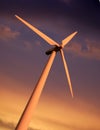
[(42, 35), (67, 39), (67, 72)]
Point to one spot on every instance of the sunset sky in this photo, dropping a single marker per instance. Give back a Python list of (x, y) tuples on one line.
[(22, 59)]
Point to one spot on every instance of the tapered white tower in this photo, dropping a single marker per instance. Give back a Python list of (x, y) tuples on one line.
[(31, 105)]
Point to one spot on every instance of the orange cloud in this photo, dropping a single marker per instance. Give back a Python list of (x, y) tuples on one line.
[(6, 125), (6, 33), (10, 125), (52, 113)]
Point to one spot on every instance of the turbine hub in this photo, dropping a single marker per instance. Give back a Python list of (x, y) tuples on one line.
[(56, 49)]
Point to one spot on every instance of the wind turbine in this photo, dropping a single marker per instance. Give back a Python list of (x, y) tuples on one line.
[(33, 100)]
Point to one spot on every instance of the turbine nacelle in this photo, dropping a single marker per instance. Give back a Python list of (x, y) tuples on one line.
[(56, 49)]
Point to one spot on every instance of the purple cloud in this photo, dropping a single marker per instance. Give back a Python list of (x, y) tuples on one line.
[(90, 50), (6, 33)]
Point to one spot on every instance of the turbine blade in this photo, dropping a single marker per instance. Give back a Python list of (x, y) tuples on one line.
[(42, 35), (67, 72), (67, 39)]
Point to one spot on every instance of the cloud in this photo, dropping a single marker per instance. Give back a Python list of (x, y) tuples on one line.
[(27, 46), (11, 126), (54, 124), (91, 49), (6, 33), (6, 124), (78, 12)]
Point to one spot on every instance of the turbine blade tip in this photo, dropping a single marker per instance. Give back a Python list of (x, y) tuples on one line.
[(17, 16), (72, 96)]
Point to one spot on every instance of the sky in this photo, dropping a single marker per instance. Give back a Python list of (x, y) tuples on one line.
[(22, 59)]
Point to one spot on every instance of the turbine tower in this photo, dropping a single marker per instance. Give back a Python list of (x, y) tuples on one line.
[(34, 98)]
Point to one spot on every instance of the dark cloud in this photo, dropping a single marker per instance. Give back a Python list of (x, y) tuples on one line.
[(7, 33), (74, 8), (30, 6), (80, 12)]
